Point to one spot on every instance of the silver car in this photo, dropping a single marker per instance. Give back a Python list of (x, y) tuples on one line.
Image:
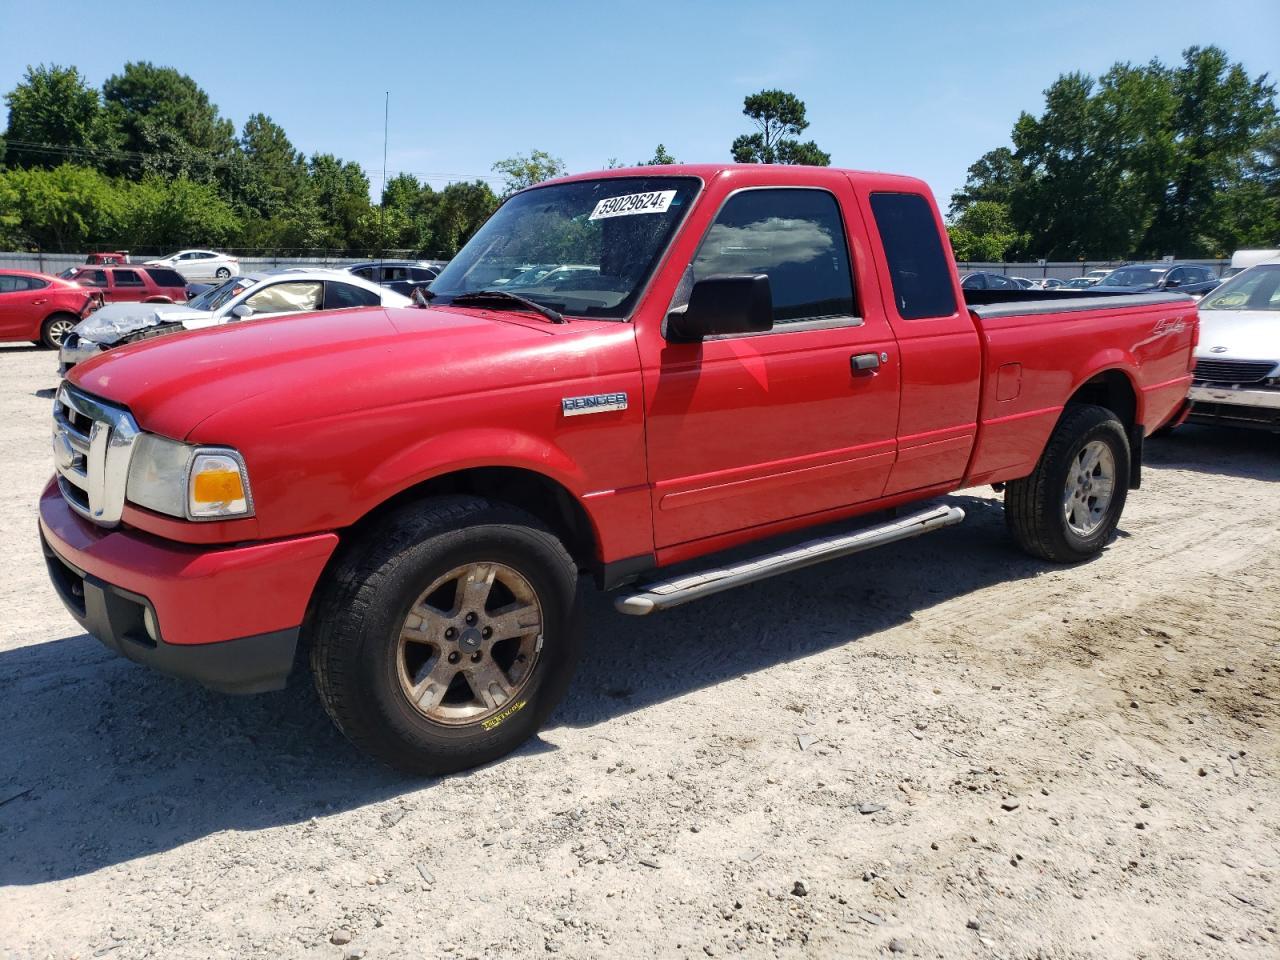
[(1237, 377), (257, 295)]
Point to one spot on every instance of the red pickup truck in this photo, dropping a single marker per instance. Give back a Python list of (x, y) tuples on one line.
[(417, 496)]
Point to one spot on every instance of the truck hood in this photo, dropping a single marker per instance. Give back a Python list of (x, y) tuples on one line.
[(313, 364), (1246, 335), (110, 324)]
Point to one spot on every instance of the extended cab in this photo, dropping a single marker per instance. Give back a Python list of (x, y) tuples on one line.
[(415, 494)]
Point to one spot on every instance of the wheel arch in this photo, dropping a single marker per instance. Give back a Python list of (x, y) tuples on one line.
[(1113, 389)]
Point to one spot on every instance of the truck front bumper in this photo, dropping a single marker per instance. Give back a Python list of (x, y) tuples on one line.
[(227, 617), (1235, 406)]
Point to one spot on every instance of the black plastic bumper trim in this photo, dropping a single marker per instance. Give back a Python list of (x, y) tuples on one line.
[(114, 616)]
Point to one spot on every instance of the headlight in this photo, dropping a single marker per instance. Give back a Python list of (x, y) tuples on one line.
[(194, 483)]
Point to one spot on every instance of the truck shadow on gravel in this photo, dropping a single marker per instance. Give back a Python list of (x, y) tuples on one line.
[(102, 761)]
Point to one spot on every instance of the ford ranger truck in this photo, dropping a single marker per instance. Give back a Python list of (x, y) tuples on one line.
[(415, 497)]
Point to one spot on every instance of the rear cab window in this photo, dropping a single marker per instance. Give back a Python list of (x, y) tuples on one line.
[(918, 265)]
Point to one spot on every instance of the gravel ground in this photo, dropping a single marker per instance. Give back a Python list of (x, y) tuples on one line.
[(943, 749)]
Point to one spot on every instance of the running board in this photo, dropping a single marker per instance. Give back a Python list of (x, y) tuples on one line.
[(671, 593)]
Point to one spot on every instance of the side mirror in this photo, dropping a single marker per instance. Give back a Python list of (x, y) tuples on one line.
[(730, 303), (242, 312)]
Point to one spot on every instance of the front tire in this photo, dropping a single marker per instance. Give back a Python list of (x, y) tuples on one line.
[(222, 273), (1069, 507), (446, 636), (55, 328)]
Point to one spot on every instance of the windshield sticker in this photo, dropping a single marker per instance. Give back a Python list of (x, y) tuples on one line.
[(656, 202)]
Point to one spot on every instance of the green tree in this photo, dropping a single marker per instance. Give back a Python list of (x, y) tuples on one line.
[(1146, 160), (267, 176), (176, 212), (341, 192), (984, 232), (166, 123), (65, 208), (779, 118), (461, 209), (54, 108), (660, 157), (991, 177), (519, 172)]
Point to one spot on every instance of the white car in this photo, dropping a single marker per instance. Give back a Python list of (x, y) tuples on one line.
[(240, 298), (1237, 378), (199, 265)]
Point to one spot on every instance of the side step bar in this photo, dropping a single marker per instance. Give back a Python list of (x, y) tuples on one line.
[(671, 593)]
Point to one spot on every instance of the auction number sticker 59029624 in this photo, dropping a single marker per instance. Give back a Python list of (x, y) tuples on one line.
[(657, 201)]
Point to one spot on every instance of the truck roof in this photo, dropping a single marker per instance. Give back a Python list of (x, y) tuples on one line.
[(770, 173)]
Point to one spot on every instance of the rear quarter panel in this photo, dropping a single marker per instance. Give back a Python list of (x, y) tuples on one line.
[(1034, 363)]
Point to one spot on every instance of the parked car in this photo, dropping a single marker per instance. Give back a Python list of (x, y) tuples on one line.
[(110, 257), (402, 276), (257, 295), (424, 491), (41, 308), (1190, 278), (1242, 260), (1237, 376), (199, 264), (1095, 276), (1025, 283), (1050, 283), (132, 284), (982, 280), (1078, 283)]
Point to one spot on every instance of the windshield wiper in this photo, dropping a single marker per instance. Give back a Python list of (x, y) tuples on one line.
[(502, 296)]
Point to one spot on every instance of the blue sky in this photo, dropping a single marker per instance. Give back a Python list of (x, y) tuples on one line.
[(913, 87)]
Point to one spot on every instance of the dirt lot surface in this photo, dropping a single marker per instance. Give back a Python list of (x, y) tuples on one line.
[(943, 749)]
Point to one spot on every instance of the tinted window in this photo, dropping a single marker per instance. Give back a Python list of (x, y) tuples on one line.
[(10, 284), (975, 281), (918, 266), (339, 295), (163, 277), (128, 278), (92, 278), (365, 273), (794, 236), (421, 273)]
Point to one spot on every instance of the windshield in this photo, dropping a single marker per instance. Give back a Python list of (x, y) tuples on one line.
[(585, 248), (215, 297), (1134, 276), (1255, 289)]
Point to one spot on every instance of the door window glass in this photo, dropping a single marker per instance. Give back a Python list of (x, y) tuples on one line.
[(796, 237), (128, 278), (339, 295), (92, 278), (287, 297)]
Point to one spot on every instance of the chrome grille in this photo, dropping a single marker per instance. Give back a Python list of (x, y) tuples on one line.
[(92, 445), (1234, 371)]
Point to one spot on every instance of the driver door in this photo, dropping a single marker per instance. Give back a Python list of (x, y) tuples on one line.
[(747, 430)]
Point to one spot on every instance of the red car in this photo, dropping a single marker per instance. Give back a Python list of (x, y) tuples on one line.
[(41, 308), (121, 284), (418, 496), (109, 257)]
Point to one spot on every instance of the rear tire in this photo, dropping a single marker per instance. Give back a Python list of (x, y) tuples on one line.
[(55, 328), (1067, 510), (410, 652), (222, 273)]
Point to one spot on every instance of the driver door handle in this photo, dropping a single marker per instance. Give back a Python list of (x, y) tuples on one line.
[(861, 362)]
